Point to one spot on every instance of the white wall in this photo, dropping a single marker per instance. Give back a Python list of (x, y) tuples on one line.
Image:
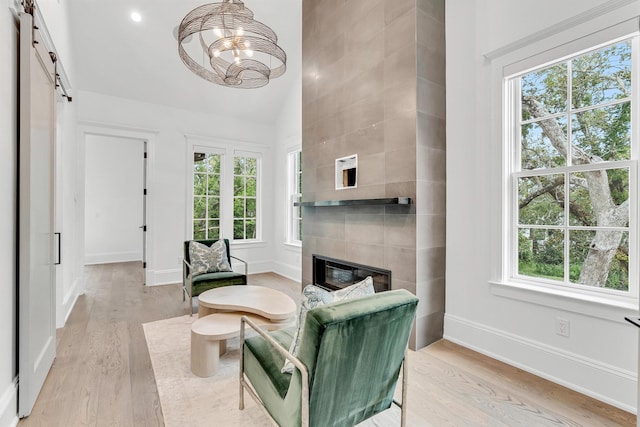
[(8, 182), (288, 260), (113, 199), (600, 356), (167, 129)]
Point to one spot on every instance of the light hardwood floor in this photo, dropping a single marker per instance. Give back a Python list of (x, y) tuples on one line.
[(102, 374)]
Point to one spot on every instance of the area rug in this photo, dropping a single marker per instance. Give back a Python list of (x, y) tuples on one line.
[(188, 400)]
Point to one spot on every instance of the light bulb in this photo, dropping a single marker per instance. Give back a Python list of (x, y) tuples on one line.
[(237, 59), (249, 52), (239, 31), (217, 32), (247, 44), (216, 53), (136, 17), (227, 43)]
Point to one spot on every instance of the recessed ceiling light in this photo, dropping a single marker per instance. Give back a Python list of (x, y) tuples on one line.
[(136, 17)]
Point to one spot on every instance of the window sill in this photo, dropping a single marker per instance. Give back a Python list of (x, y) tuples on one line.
[(239, 244), (588, 305), (292, 246)]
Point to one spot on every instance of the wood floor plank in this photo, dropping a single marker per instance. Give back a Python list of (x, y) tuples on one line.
[(102, 374)]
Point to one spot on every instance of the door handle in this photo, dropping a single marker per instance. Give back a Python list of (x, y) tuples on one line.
[(59, 248)]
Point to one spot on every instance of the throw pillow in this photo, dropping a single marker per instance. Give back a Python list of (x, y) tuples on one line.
[(312, 297), (205, 259)]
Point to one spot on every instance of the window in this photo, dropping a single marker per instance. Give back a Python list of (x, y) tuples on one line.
[(206, 195), (573, 171), (245, 197), (225, 194), (294, 218)]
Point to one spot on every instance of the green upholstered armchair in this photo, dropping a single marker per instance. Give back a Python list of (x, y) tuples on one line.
[(347, 367), (194, 286)]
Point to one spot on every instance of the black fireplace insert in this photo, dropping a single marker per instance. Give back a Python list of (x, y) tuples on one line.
[(333, 274)]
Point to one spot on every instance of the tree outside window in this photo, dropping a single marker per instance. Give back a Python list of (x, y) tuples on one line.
[(573, 170), (206, 195), (245, 197)]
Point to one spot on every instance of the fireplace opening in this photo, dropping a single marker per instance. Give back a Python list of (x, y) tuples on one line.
[(333, 274)]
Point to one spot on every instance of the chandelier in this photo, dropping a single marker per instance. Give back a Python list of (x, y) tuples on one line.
[(236, 50)]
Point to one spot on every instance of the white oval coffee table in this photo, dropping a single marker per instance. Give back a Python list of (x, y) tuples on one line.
[(219, 313), (266, 302)]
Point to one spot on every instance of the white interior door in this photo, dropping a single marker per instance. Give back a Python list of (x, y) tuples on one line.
[(36, 280)]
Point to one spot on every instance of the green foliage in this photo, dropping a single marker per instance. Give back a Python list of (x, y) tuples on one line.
[(238, 207), (602, 133)]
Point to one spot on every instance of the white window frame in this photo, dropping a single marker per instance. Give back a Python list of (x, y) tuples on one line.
[(206, 150), (228, 150), (508, 283), (258, 157), (293, 196)]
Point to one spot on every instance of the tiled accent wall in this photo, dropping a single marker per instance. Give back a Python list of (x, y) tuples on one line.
[(370, 89)]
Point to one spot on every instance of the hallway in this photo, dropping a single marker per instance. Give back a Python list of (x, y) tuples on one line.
[(102, 373)]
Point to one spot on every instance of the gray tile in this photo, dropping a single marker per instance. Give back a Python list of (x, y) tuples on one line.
[(400, 165), (400, 231), (365, 87), (359, 57), (401, 189), (400, 33), (325, 179), (400, 67), (429, 329), (401, 262), (433, 261), (368, 140), (431, 64), (432, 164), (330, 127), (432, 296), (431, 98), (434, 8), (375, 191), (431, 231), (365, 19), (401, 284), (371, 169), (432, 198), (400, 101), (328, 104), (430, 33), (331, 248), (400, 133), (431, 131), (366, 254), (363, 114), (365, 228), (393, 9)]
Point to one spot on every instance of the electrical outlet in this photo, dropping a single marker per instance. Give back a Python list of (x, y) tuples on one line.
[(562, 327)]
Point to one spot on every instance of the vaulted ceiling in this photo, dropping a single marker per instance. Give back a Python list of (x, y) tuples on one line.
[(116, 56)]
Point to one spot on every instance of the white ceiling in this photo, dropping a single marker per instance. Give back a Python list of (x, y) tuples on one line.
[(118, 57)]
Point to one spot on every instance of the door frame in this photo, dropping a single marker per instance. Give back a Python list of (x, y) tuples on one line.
[(148, 137)]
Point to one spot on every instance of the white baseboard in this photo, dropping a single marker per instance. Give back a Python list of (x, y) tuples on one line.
[(9, 406), (68, 302), (293, 272), (164, 277), (111, 257), (601, 381), (257, 267)]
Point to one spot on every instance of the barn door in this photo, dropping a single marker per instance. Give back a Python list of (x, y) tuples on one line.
[(36, 280)]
